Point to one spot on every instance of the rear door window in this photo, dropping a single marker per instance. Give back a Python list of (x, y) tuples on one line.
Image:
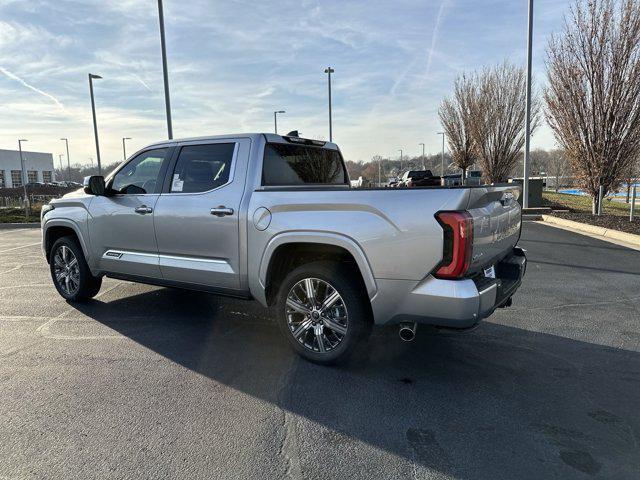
[(300, 164), (201, 168)]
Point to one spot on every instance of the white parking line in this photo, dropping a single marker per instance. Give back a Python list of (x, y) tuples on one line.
[(19, 267), (8, 287), (43, 329), (22, 246)]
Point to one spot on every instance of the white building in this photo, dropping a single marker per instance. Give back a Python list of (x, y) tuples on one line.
[(38, 167)]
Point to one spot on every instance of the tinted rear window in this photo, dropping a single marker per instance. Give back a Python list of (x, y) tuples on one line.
[(417, 174), (299, 165)]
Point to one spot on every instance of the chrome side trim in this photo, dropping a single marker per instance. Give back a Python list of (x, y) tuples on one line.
[(192, 263), (169, 261), (130, 257)]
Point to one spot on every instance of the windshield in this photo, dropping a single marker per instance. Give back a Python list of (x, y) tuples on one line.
[(301, 164)]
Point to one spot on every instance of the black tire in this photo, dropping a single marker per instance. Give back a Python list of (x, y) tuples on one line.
[(83, 285), (346, 282)]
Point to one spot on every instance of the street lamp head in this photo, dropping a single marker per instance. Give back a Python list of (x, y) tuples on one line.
[(126, 138), (22, 140), (91, 75), (63, 139), (421, 143), (280, 111), (329, 70)]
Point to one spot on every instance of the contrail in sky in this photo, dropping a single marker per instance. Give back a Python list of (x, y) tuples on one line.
[(142, 82), (434, 35), (13, 76)]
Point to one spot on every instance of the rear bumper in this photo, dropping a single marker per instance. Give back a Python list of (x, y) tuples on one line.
[(449, 303)]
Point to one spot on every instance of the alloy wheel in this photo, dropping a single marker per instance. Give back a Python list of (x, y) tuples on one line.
[(66, 270), (316, 315)]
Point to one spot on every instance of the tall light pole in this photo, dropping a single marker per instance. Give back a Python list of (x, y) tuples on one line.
[(124, 148), (66, 141), (163, 46), (329, 71), (24, 180), (95, 125), (60, 158), (400, 150), (527, 133), (423, 166), (275, 119), (442, 154)]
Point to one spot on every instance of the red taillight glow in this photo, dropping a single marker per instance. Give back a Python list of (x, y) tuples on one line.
[(458, 244)]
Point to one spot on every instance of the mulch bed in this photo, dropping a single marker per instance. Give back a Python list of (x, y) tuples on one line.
[(614, 222)]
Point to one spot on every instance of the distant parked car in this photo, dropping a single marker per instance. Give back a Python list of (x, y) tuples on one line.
[(419, 178)]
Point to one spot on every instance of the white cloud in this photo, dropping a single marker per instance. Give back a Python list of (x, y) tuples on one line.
[(232, 63)]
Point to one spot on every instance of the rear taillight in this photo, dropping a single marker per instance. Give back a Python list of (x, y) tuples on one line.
[(458, 244)]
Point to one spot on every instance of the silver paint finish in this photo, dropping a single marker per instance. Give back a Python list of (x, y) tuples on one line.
[(392, 235), (114, 224), (186, 230), (497, 219)]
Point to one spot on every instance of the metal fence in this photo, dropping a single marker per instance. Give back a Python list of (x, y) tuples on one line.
[(14, 197)]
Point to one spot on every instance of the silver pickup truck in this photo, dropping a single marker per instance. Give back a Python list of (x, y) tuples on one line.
[(273, 218)]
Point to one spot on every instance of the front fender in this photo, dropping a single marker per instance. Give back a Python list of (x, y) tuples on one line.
[(65, 222)]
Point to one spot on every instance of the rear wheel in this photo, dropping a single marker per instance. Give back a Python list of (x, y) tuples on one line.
[(323, 311), (70, 272)]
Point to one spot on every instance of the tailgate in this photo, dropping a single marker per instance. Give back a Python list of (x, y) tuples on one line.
[(497, 219)]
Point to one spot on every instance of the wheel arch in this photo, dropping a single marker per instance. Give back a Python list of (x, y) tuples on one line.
[(287, 251), (58, 228)]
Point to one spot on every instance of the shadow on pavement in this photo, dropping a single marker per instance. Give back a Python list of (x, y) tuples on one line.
[(499, 402)]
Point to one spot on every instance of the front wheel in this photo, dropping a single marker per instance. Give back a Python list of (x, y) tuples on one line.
[(70, 272), (323, 311)]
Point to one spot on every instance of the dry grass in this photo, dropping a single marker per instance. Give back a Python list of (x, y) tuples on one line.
[(582, 204)]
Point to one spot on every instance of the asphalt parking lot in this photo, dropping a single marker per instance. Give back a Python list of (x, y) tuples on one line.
[(148, 382)]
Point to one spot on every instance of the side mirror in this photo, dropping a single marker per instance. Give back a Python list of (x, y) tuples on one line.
[(94, 185)]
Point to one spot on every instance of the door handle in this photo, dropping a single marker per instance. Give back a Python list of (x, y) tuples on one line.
[(221, 211), (143, 209)]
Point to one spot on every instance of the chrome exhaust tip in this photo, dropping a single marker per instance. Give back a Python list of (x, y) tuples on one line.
[(407, 331)]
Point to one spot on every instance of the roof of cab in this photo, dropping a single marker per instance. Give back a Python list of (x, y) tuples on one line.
[(270, 137)]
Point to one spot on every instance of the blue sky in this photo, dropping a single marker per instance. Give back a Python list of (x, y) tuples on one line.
[(232, 63)]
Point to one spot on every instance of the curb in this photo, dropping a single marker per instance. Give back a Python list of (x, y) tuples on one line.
[(594, 230), (9, 226)]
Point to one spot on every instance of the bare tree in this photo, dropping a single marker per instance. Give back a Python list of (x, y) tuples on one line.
[(631, 176), (498, 112), (456, 119), (593, 97), (557, 166)]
